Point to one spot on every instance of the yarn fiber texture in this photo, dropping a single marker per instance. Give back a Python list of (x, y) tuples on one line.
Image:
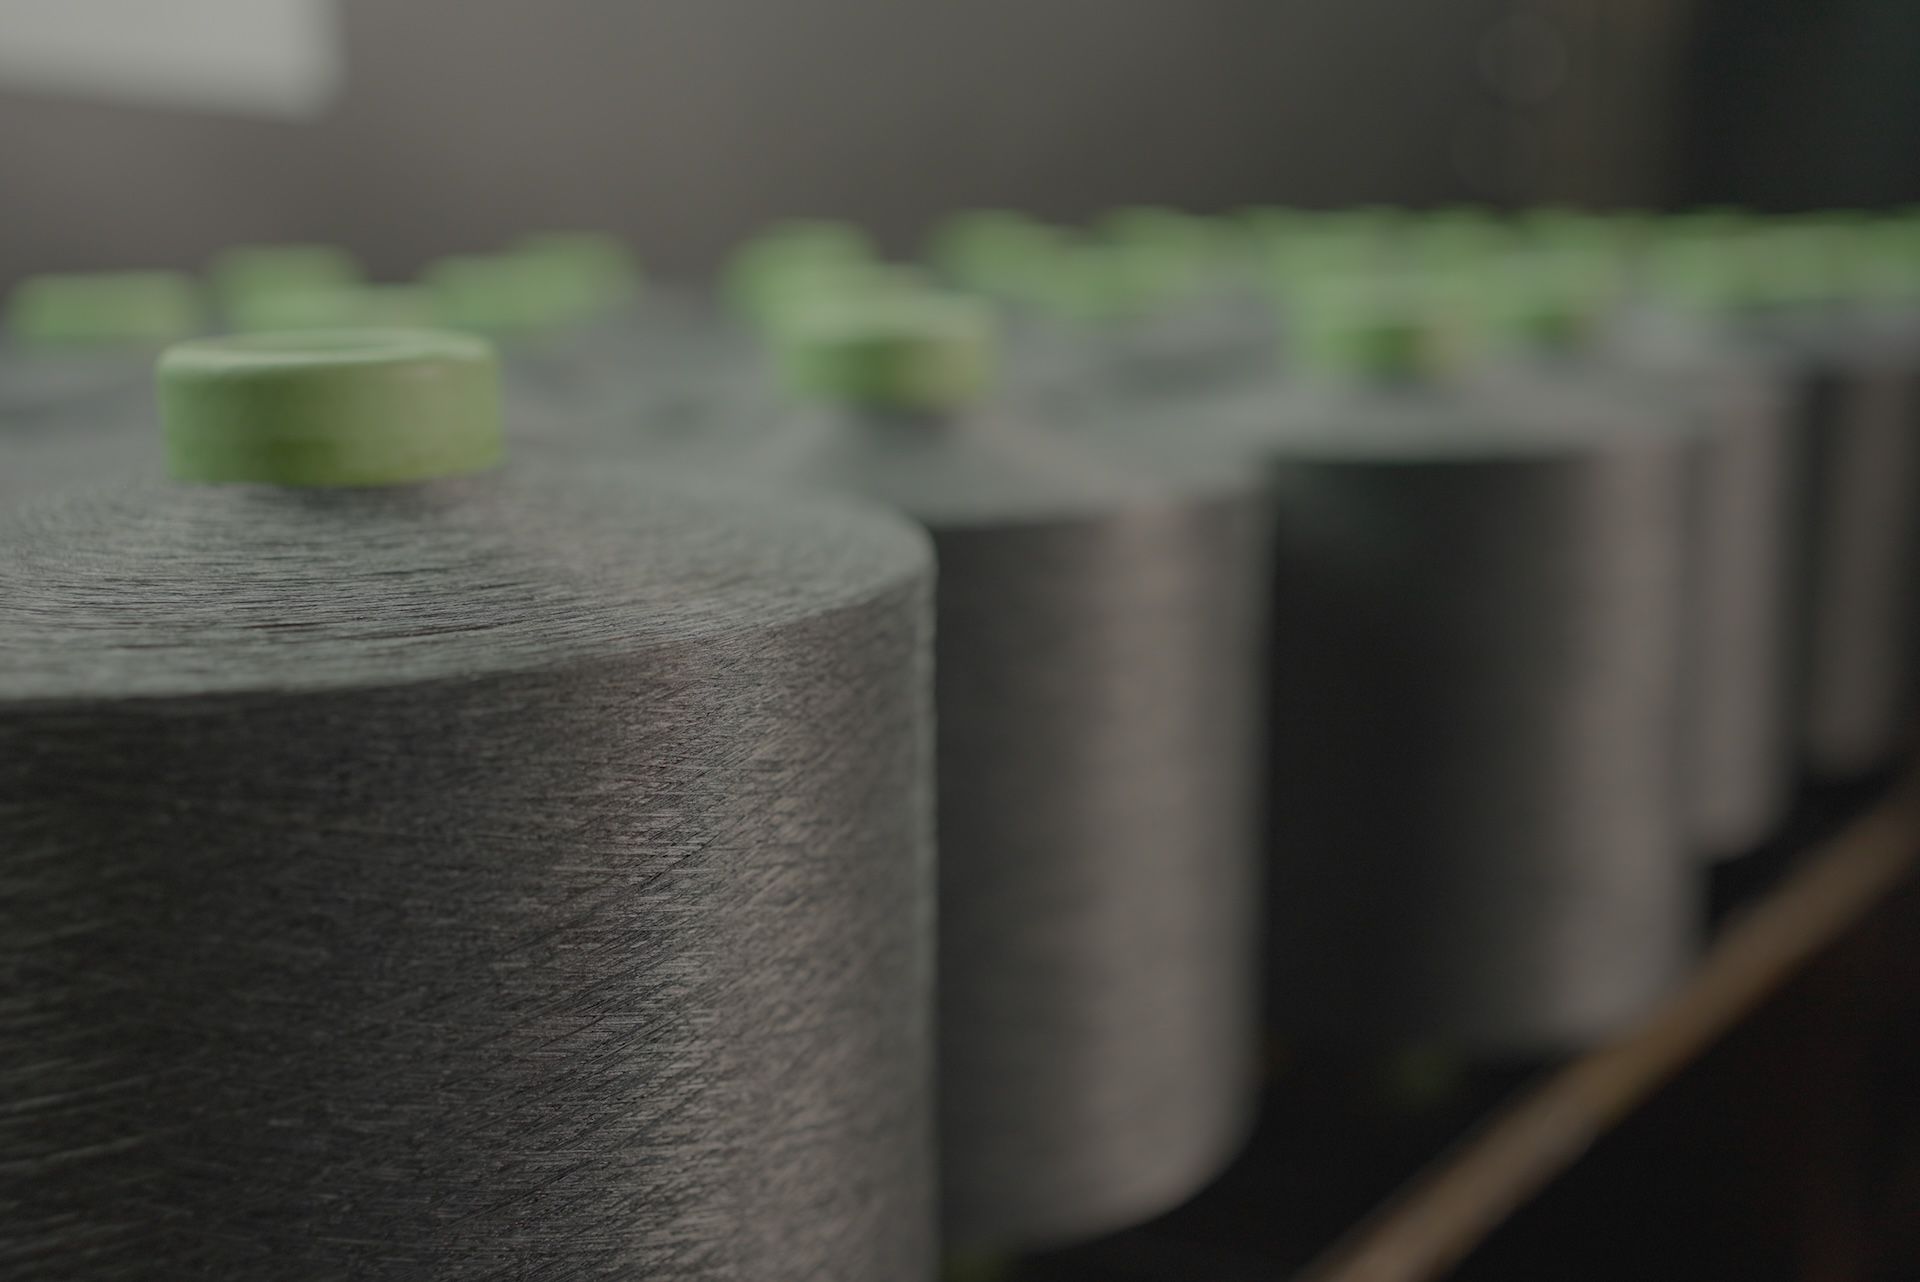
[(525, 876)]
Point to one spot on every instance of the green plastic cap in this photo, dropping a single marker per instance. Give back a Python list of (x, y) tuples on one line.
[(1174, 232), (1458, 238), (103, 309), (331, 408), (993, 251), (1712, 222), (1883, 263), (346, 307), (1391, 328), (1697, 274), (926, 353), (1100, 282), (1257, 230), (1562, 228), (505, 294), (1766, 266), (786, 297), (1549, 300), (759, 265), (1327, 248), (248, 271), (601, 269), (1382, 220)]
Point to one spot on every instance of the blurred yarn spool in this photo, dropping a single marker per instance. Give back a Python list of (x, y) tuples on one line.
[(1776, 292), (1556, 315), (1857, 418), (1478, 634), (1098, 708)]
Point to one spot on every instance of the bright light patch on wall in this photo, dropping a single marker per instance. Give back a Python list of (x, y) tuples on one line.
[(252, 57)]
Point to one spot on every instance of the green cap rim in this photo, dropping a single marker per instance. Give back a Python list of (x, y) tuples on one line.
[(327, 408), (103, 309), (924, 354)]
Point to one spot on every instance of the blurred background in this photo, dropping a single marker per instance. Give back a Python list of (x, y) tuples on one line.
[(409, 130)]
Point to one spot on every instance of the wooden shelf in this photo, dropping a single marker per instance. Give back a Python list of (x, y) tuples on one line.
[(1449, 1209)]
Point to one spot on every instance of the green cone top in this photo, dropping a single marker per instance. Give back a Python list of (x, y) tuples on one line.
[(1457, 238), (1094, 283), (331, 408), (787, 298), (993, 251), (1326, 247), (925, 353), (1695, 273), (1549, 300), (600, 269), (1884, 263), (506, 294), (1198, 244), (1758, 266), (103, 309), (248, 271), (1393, 328), (760, 266), (344, 307)]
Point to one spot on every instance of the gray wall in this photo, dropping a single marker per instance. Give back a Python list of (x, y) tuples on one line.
[(684, 123)]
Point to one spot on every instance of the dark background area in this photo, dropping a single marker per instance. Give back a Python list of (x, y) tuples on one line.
[(687, 123)]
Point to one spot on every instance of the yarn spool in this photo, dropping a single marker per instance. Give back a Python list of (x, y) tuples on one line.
[(1856, 405), (1478, 623), (1774, 293), (1098, 701), (1737, 690), (419, 869), (1743, 567)]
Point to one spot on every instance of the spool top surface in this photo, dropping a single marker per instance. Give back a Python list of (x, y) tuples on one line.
[(1490, 418), (149, 590), (331, 408)]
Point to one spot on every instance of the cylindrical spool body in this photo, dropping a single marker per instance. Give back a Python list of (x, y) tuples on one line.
[(1098, 708), (1478, 635), (507, 876), (1857, 428), (1737, 684), (1739, 671)]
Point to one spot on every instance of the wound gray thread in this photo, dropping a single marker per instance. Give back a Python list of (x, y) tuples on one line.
[(1099, 703), (1479, 606), (1738, 675), (1858, 447), (519, 877)]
